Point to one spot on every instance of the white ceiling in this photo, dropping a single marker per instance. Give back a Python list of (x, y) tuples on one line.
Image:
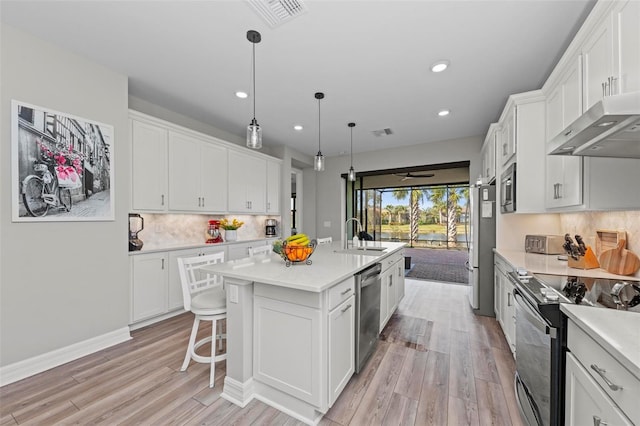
[(370, 58)]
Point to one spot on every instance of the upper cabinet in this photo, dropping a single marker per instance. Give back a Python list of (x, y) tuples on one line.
[(274, 169), (488, 154), (611, 54), (521, 140), (149, 166), (247, 177), (603, 60), (197, 175), (175, 169)]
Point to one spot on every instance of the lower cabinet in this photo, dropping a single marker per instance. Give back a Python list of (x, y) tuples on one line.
[(504, 306), (586, 403), (304, 343), (241, 250), (149, 276), (392, 286)]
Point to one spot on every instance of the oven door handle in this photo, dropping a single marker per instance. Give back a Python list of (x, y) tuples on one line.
[(534, 317)]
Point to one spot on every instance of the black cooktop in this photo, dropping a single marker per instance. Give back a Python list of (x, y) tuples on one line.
[(597, 292)]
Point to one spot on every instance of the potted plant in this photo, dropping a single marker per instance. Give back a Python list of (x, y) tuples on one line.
[(230, 228)]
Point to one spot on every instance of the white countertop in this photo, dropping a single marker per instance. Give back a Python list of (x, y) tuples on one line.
[(185, 246), (327, 269), (616, 331), (549, 264)]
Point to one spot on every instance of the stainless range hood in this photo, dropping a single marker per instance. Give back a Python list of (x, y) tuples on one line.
[(610, 128)]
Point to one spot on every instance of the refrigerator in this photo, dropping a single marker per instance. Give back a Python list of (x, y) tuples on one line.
[(481, 242)]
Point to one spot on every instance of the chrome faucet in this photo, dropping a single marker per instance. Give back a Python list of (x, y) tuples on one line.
[(346, 230)]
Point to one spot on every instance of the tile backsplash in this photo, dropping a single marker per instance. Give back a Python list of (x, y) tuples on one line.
[(170, 230), (587, 223)]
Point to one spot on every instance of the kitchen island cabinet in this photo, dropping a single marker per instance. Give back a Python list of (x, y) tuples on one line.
[(290, 330)]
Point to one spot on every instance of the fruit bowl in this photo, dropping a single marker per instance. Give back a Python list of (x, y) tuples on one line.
[(297, 253)]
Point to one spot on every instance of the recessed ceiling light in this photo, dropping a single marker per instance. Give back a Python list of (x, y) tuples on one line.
[(444, 113), (242, 95), (439, 66), (297, 127)]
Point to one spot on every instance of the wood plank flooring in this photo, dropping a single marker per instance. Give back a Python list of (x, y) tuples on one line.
[(436, 364)]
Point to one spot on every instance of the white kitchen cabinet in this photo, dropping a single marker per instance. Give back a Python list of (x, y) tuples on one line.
[(341, 347), (149, 278), (197, 175), (598, 383), (273, 187), (399, 267), (597, 55), (626, 45), (586, 403), (488, 154), (303, 345), (521, 138), (508, 140), (390, 282), (148, 166), (247, 183), (174, 297), (504, 306)]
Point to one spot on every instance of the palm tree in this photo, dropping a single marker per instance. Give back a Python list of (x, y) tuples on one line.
[(415, 196), (388, 210), (447, 199)]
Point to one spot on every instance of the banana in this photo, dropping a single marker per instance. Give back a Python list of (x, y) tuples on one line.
[(297, 237), (298, 240)]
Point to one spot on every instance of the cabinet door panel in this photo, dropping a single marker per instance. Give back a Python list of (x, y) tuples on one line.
[(149, 285), (149, 166), (627, 50), (273, 187), (213, 178), (341, 347), (184, 173), (598, 63), (585, 400)]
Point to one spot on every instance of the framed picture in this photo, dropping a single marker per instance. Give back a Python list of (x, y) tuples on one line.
[(62, 166)]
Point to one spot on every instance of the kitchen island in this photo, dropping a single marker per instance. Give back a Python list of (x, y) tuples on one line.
[(291, 330)]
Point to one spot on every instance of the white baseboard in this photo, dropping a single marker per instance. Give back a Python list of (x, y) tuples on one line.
[(238, 393), (37, 364)]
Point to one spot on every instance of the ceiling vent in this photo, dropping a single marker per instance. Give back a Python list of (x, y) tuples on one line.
[(382, 132), (277, 12)]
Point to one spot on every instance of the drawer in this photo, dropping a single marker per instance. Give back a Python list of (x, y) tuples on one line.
[(390, 260), (341, 292), (590, 353)]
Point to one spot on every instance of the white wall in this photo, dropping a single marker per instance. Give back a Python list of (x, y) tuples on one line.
[(61, 283), (330, 204)]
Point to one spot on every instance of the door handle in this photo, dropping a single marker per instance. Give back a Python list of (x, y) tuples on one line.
[(609, 383), (346, 308)]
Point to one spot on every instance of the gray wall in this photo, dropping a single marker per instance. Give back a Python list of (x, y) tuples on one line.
[(61, 282), (330, 203)]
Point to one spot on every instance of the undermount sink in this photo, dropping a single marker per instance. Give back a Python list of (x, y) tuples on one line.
[(364, 251)]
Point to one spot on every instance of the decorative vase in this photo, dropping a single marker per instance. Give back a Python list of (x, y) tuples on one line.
[(231, 234)]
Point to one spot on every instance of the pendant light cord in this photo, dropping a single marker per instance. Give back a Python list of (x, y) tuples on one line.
[(319, 126), (254, 81), (351, 146)]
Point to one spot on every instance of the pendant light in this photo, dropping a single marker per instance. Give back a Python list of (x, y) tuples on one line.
[(254, 131), (318, 164), (352, 173)]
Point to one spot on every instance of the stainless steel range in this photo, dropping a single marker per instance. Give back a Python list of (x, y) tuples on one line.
[(541, 335)]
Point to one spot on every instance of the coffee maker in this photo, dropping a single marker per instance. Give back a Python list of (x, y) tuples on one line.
[(136, 224), (270, 227)]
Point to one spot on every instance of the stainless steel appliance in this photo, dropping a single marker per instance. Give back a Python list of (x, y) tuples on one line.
[(508, 189), (481, 241), (367, 313), (544, 244), (541, 340), (270, 227), (610, 128), (136, 224)]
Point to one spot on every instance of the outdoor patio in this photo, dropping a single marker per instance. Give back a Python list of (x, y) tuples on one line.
[(440, 265)]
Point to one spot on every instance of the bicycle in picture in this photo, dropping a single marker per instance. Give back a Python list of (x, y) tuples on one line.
[(50, 187)]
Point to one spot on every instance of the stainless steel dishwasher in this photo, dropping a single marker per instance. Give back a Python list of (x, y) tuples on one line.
[(367, 313)]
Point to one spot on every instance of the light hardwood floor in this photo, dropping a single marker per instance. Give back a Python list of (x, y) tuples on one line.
[(436, 364)]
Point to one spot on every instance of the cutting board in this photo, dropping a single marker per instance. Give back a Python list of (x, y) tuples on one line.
[(619, 260)]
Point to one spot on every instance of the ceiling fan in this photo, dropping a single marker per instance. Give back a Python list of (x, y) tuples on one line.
[(410, 175)]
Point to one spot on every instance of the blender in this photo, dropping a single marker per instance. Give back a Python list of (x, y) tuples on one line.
[(213, 232), (136, 224)]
